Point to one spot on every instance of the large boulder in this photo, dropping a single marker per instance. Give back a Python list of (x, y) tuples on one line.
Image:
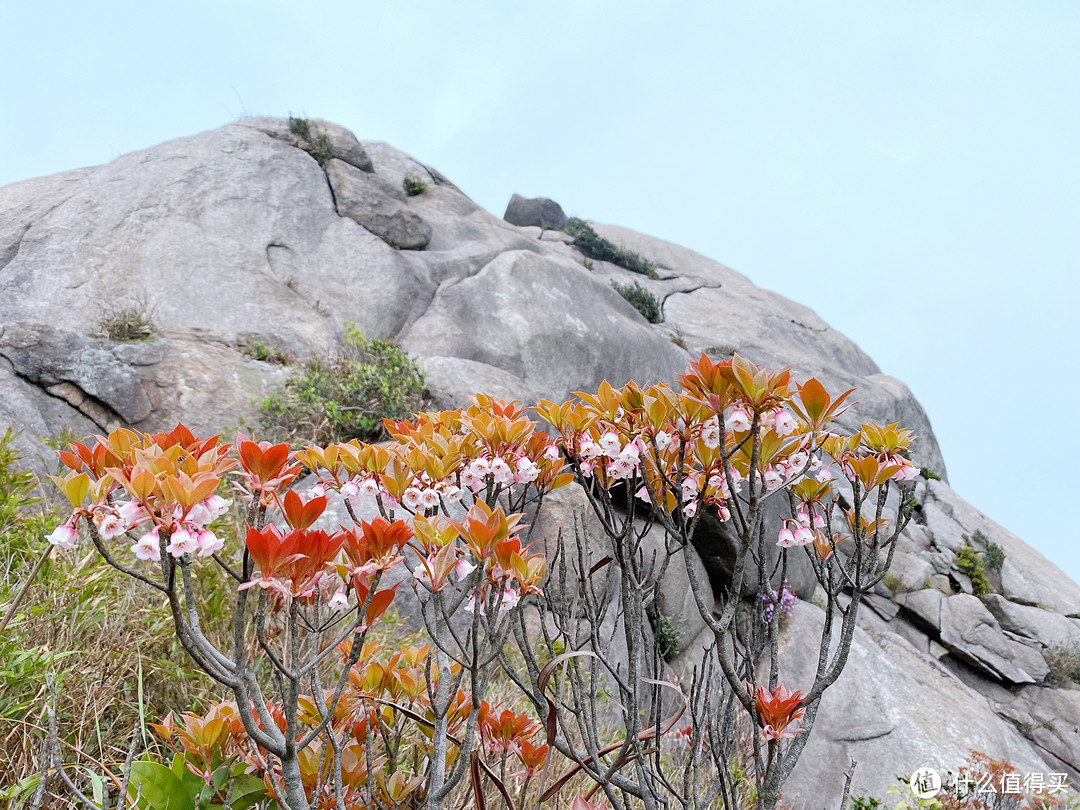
[(376, 205), (251, 233), (535, 211), (1032, 625), (1050, 719), (94, 384)]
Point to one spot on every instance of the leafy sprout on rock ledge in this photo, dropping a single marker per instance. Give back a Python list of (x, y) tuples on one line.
[(594, 246), (642, 300)]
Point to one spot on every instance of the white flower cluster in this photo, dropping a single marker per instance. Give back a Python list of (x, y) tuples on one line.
[(190, 535), (620, 460), (187, 532), (503, 472)]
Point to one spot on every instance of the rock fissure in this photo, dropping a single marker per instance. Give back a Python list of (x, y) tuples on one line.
[(439, 178), (704, 286), (333, 196), (11, 252), (808, 328), (72, 394)]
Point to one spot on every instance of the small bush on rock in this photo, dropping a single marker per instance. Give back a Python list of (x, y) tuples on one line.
[(866, 803), (346, 398), (594, 246), (968, 560), (263, 352), (413, 185), (321, 149), (318, 147), (300, 127), (994, 556), (641, 299), (667, 637), (722, 352)]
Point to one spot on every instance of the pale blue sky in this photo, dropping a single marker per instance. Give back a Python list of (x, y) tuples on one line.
[(910, 170)]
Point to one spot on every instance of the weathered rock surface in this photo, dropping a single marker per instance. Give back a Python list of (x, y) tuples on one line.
[(1050, 719), (98, 384), (971, 632), (1033, 625), (377, 206), (1027, 577), (239, 234), (539, 212), (893, 710), (536, 317)]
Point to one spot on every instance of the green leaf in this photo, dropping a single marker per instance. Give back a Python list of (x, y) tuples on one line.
[(20, 790), (192, 782), (247, 790), (161, 788), (97, 785)]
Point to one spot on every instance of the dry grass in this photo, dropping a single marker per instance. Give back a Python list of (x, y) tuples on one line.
[(126, 321), (111, 651)]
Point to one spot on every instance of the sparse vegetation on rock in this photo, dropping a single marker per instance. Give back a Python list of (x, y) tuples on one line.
[(968, 560), (993, 555), (125, 323), (642, 300), (346, 397), (594, 246), (413, 185), (317, 145), (265, 353), (300, 127), (1064, 663), (721, 352)]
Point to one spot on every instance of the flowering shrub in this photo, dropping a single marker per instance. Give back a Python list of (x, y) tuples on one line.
[(785, 601), (736, 442), (324, 717), (147, 501)]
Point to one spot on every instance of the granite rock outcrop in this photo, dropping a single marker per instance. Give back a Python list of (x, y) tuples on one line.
[(240, 234)]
